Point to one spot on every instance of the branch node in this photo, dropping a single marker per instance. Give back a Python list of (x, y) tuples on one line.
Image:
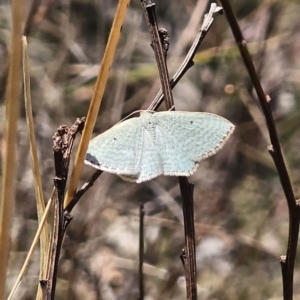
[(67, 218), (268, 98), (165, 40), (183, 257), (282, 259), (271, 150)]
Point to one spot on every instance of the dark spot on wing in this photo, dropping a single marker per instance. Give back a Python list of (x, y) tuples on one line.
[(92, 159)]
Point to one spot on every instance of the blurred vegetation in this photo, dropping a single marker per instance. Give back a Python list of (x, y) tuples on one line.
[(240, 210)]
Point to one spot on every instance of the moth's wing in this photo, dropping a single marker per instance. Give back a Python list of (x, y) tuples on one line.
[(151, 164), (175, 161), (117, 150), (199, 135)]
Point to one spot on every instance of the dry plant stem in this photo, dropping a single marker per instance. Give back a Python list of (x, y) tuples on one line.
[(97, 97), (186, 191), (40, 203), (188, 61), (30, 122), (63, 145), (141, 252), (183, 257), (12, 97), (48, 285), (189, 255), (32, 248), (160, 55), (275, 151), (82, 191)]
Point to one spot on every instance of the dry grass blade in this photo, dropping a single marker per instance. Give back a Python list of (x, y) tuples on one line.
[(9, 157), (97, 97), (45, 235), (32, 248)]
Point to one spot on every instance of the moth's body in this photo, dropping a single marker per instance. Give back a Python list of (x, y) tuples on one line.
[(149, 123), (168, 143)]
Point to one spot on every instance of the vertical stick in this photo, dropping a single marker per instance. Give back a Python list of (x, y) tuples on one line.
[(160, 55), (287, 261), (141, 251), (185, 187), (9, 155), (189, 259)]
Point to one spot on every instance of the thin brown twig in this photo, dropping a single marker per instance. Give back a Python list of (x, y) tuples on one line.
[(141, 252), (189, 257), (82, 191), (185, 187), (63, 145), (166, 94), (187, 197), (188, 61), (160, 54), (288, 261)]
